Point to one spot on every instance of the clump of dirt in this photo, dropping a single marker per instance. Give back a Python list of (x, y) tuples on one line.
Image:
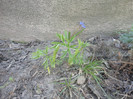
[(31, 81)]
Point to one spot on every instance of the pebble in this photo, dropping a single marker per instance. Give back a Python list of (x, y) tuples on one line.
[(116, 43), (92, 39), (81, 80), (14, 98)]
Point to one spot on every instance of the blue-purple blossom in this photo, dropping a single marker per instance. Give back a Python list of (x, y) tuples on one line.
[(82, 24)]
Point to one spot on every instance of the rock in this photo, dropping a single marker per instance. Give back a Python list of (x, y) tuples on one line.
[(81, 80), (14, 98), (37, 97), (14, 46), (116, 43), (91, 39)]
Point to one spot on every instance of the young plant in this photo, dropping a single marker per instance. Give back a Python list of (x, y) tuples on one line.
[(94, 69), (47, 58), (67, 43), (50, 59), (70, 88), (127, 38), (78, 52)]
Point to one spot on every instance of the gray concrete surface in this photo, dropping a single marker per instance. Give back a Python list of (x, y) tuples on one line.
[(27, 20)]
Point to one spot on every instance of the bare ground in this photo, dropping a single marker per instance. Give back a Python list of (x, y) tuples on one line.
[(31, 81)]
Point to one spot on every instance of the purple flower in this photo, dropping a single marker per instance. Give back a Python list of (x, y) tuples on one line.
[(82, 24)]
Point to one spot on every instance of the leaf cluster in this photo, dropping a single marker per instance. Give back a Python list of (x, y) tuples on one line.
[(94, 68), (69, 87), (73, 52), (127, 38)]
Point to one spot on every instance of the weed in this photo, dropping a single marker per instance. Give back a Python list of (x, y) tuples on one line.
[(74, 54), (94, 69), (127, 38), (66, 42), (69, 87)]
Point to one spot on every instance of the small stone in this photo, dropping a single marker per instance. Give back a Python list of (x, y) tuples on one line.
[(116, 43), (81, 80), (37, 97), (14, 46), (92, 39), (14, 98)]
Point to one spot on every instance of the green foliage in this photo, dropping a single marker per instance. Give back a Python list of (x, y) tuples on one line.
[(78, 51), (50, 59), (73, 54), (94, 68), (11, 79), (67, 43), (69, 87), (47, 57), (127, 38), (39, 53)]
